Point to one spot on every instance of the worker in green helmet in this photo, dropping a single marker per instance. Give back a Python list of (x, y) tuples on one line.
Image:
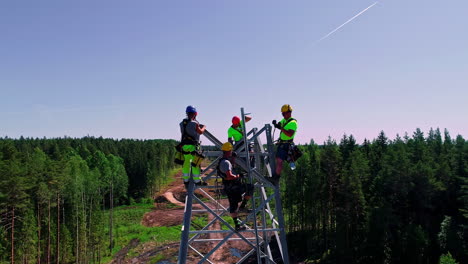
[(191, 130), (288, 128)]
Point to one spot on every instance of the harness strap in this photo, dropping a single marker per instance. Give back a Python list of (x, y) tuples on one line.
[(289, 120), (220, 173), (186, 138), (238, 129), (280, 141)]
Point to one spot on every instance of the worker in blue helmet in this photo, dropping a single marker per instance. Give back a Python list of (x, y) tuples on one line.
[(191, 130)]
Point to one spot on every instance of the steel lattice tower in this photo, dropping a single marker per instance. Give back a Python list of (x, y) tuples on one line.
[(265, 222)]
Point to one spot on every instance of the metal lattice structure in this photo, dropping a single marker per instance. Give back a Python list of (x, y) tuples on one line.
[(265, 223)]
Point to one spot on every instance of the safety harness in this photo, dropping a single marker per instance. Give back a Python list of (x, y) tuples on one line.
[(238, 129), (288, 121), (186, 138), (280, 141), (218, 169)]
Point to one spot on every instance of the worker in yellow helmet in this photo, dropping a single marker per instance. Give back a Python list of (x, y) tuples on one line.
[(235, 189), (288, 128)]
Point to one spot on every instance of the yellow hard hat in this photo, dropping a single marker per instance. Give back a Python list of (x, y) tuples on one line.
[(226, 147), (286, 108)]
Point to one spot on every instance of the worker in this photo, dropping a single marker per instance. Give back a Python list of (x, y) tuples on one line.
[(236, 130), (191, 130), (288, 128), (236, 134), (235, 189)]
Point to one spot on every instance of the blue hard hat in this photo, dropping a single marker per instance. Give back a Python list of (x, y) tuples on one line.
[(190, 109)]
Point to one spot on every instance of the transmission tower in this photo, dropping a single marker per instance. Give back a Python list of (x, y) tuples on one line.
[(265, 223)]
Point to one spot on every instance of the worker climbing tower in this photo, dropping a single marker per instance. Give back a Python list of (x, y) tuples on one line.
[(265, 233)]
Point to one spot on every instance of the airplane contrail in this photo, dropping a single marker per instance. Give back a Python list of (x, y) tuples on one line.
[(342, 25)]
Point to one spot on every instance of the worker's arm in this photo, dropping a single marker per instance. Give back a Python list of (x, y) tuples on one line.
[(200, 129), (230, 176), (288, 133)]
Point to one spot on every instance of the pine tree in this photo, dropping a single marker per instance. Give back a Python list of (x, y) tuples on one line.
[(14, 187), (330, 166), (352, 219)]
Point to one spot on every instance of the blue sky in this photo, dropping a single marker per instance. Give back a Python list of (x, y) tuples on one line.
[(128, 69)]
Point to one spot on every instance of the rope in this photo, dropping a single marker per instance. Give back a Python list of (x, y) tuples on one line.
[(218, 194)]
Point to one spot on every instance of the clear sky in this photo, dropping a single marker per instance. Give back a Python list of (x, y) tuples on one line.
[(128, 69)]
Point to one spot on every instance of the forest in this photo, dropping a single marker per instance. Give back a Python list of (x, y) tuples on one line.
[(54, 192), (383, 201)]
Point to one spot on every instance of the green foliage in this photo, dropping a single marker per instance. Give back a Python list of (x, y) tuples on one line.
[(200, 221), (444, 234), (379, 202), (384, 201), (447, 259), (3, 245), (157, 258), (53, 193), (128, 226)]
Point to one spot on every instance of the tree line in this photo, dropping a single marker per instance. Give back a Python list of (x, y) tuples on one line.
[(384, 201), (54, 192)]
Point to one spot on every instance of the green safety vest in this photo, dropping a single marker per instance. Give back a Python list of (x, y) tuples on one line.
[(289, 124), (236, 133)]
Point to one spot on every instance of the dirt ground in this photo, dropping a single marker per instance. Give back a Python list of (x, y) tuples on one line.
[(175, 196), (169, 206), (169, 211)]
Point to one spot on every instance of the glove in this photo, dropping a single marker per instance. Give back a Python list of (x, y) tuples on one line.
[(234, 154), (275, 124)]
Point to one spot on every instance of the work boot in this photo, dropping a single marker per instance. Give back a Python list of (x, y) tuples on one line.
[(240, 226), (244, 210)]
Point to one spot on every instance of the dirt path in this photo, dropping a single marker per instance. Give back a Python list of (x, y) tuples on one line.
[(169, 204), (169, 195)]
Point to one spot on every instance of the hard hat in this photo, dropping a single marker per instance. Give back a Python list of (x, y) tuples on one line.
[(190, 109), (236, 120), (226, 147), (286, 108)]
